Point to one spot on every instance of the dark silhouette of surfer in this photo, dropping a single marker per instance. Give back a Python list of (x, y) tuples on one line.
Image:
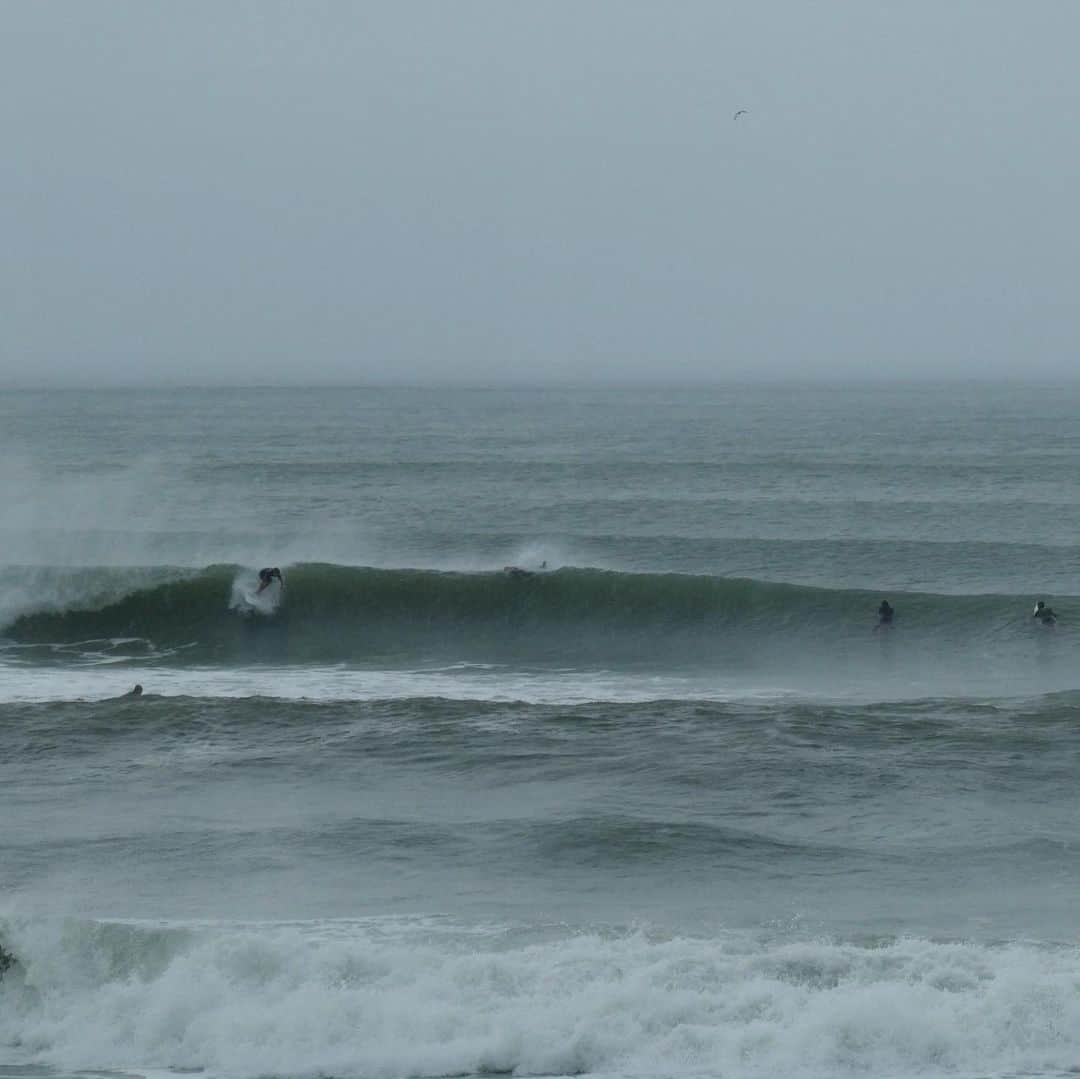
[(267, 577), (135, 692), (1045, 616), (885, 614)]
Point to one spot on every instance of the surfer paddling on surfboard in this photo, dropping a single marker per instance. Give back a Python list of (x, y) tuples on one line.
[(267, 578)]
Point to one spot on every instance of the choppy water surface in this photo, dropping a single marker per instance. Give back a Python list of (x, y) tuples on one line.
[(667, 803)]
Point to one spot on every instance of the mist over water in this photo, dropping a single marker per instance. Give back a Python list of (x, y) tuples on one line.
[(667, 801)]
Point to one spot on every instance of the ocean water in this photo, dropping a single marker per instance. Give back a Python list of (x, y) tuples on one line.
[(667, 803)]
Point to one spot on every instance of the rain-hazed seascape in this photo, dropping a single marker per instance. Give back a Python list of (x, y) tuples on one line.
[(571, 743)]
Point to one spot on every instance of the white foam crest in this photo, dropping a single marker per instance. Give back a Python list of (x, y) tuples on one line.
[(248, 596), (373, 1000), (111, 677)]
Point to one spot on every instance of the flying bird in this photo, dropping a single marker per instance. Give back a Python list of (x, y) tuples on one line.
[(738, 114)]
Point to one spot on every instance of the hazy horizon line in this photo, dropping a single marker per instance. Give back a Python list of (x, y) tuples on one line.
[(823, 381)]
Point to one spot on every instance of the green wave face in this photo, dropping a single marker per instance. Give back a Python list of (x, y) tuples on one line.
[(332, 613)]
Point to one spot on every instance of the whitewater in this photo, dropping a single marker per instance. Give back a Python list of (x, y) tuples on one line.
[(572, 747)]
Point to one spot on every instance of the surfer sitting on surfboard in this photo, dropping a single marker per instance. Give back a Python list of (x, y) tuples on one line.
[(885, 614), (267, 578)]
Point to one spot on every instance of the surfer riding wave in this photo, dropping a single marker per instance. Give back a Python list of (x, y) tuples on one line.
[(267, 577)]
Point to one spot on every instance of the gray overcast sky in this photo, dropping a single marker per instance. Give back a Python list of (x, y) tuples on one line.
[(480, 191)]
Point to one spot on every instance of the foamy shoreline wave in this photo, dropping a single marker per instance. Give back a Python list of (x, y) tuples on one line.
[(424, 997)]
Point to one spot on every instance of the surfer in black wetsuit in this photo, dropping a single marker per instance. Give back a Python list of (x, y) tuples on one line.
[(1044, 615), (267, 578), (885, 614)]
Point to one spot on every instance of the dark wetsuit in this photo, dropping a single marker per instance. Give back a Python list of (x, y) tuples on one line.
[(885, 614)]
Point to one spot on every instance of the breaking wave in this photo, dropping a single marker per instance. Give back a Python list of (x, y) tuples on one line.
[(334, 613), (423, 997)]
